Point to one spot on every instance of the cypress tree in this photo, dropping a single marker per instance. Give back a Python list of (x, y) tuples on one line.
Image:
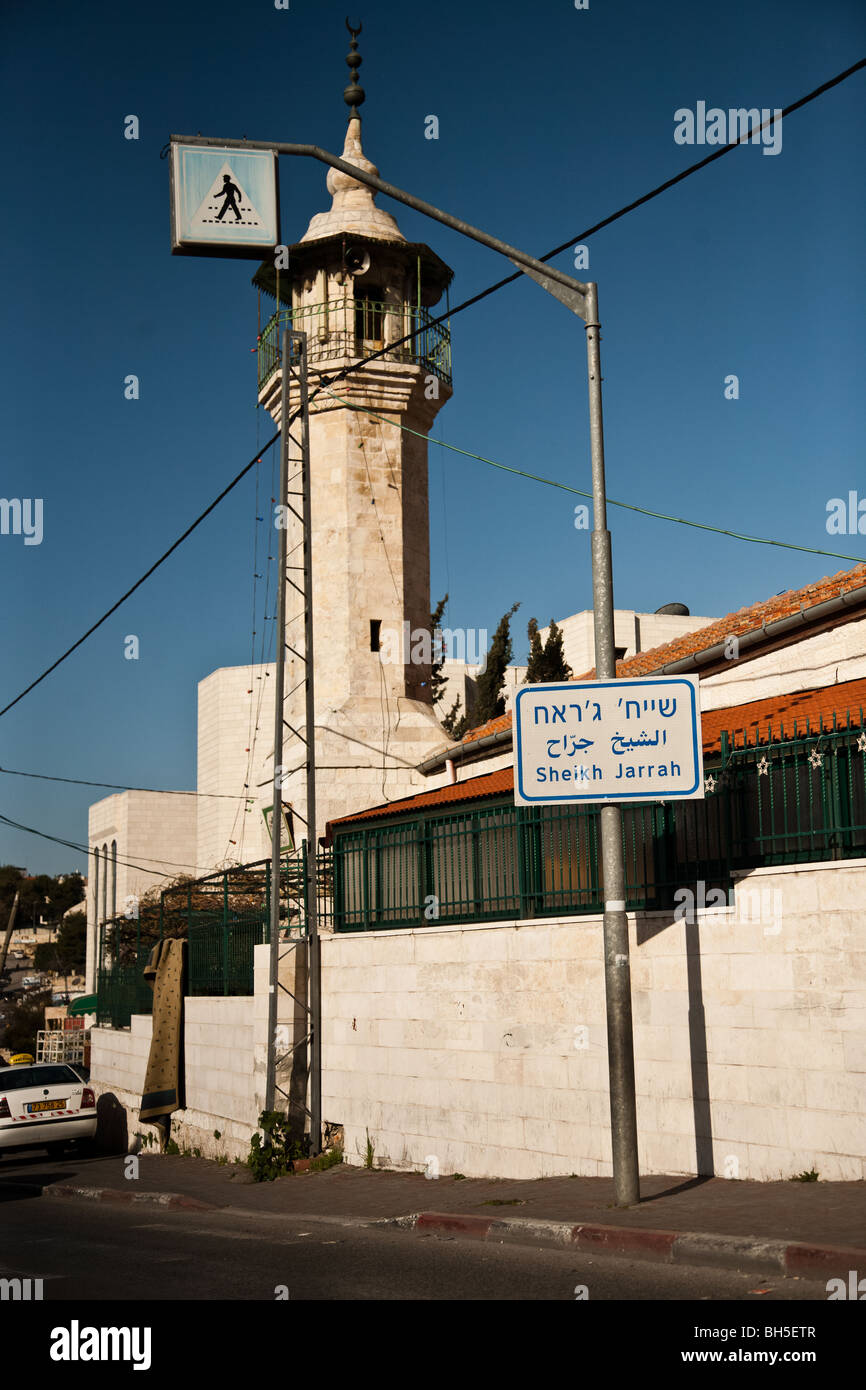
[(437, 680), (536, 654), (488, 701), (546, 663), (453, 725)]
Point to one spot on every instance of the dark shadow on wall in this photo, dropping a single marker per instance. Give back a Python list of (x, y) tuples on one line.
[(293, 1074), (647, 928), (112, 1129), (698, 1053)]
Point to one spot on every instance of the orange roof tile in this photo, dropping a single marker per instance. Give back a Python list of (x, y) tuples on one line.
[(493, 726), (758, 719), (733, 624), (744, 620), (490, 784)]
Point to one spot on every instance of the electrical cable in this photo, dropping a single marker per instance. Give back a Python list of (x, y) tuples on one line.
[(475, 299), (115, 786), (85, 849), (611, 502)]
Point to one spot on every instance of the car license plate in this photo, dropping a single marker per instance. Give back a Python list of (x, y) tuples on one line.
[(37, 1105)]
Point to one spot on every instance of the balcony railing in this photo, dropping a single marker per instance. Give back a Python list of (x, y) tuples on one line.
[(355, 328)]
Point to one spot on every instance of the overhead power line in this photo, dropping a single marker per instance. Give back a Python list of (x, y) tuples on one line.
[(578, 492), (606, 221), (467, 303), (138, 583), (86, 849), (122, 787)]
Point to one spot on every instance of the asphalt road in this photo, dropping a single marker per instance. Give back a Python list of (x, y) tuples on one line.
[(94, 1251)]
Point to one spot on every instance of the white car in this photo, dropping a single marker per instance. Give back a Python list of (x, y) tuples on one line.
[(44, 1105)]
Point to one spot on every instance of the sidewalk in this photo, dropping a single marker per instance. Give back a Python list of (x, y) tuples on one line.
[(788, 1226)]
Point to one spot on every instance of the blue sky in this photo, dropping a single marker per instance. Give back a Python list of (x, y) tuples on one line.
[(549, 119)]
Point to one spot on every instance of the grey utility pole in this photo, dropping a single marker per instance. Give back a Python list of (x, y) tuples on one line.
[(581, 299)]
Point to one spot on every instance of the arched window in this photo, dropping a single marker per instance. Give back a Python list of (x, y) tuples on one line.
[(114, 878), (104, 882), (96, 883)]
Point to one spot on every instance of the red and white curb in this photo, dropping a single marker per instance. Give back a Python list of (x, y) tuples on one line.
[(666, 1247), (630, 1242)]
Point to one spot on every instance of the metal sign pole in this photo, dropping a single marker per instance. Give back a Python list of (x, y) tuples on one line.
[(617, 976)]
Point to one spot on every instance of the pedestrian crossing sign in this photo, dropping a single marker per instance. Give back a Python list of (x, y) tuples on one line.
[(224, 202)]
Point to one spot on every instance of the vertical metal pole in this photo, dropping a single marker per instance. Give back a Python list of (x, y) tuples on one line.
[(617, 976), (315, 960), (279, 689), (10, 925)]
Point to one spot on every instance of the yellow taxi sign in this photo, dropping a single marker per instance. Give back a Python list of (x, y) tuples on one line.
[(21, 1059)]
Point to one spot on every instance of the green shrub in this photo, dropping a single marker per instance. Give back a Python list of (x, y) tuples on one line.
[(274, 1151), (328, 1160)]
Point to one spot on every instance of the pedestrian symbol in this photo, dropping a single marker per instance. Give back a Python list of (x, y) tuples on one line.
[(225, 197), (232, 193), (224, 201)]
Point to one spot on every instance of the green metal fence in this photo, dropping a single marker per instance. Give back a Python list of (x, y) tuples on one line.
[(355, 327), (792, 799), (222, 917), (800, 797), (502, 860)]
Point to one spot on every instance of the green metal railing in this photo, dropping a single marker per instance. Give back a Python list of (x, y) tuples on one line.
[(791, 799), (801, 797), (354, 328), (788, 800), (503, 860), (222, 917)]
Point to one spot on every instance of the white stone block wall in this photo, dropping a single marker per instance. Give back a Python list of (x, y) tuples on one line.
[(155, 838), (810, 664), (486, 1045), (235, 761), (225, 1040)]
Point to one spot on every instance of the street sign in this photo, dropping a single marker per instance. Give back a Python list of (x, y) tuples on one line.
[(287, 836), (224, 202), (623, 740)]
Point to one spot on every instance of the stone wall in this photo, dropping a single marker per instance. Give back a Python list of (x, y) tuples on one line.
[(485, 1046), (156, 830), (235, 761), (225, 1065)]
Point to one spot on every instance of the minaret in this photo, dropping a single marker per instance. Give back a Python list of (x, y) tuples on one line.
[(353, 285)]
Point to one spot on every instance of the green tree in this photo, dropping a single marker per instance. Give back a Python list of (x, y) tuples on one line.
[(546, 662), (41, 895), (437, 680), (23, 1023), (68, 953), (454, 723), (488, 698)]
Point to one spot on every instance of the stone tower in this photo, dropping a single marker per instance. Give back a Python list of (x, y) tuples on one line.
[(354, 284)]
